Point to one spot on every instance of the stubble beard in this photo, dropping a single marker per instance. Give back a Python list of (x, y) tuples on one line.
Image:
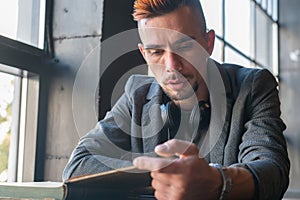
[(182, 95)]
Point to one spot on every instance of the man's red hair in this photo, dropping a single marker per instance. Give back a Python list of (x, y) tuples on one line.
[(152, 8)]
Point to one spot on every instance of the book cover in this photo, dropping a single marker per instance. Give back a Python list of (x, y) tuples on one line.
[(33, 190), (124, 183)]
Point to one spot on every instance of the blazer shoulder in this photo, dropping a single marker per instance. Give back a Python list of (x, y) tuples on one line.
[(237, 76), (137, 83), (240, 74)]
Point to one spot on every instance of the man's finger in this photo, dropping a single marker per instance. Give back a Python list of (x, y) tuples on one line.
[(176, 147), (150, 163)]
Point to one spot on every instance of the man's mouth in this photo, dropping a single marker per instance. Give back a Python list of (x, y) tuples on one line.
[(177, 84)]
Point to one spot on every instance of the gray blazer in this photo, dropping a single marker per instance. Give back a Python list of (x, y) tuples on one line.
[(245, 129)]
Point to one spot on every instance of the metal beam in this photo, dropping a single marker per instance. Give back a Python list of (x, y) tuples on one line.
[(21, 55)]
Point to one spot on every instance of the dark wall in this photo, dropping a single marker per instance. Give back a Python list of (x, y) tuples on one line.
[(117, 19)]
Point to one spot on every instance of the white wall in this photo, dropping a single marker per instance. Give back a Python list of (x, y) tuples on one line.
[(77, 29)]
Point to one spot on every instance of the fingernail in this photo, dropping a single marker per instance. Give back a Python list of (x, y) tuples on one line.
[(161, 147)]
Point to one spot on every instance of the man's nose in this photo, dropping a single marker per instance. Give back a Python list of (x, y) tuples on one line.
[(173, 62)]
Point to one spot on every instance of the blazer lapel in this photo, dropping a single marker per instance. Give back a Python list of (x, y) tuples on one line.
[(152, 123), (221, 105)]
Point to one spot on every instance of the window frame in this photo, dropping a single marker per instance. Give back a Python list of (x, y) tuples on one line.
[(252, 59), (32, 65)]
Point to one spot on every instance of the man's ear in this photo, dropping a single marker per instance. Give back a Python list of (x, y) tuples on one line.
[(210, 41), (141, 48)]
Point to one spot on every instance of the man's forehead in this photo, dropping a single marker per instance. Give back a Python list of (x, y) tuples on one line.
[(161, 42), (163, 35)]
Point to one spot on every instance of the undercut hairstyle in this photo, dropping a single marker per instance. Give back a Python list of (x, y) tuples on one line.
[(152, 8)]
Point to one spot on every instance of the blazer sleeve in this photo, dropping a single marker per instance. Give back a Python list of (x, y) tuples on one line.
[(263, 149), (105, 147)]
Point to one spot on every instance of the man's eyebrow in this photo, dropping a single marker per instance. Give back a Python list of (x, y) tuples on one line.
[(153, 46), (179, 41), (184, 39)]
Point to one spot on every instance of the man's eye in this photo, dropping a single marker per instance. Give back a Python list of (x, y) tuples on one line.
[(154, 52), (185, 47)]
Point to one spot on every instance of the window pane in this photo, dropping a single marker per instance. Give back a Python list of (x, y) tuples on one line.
[(6, 103), (23, 20), (9, 18), (264, 40), (232, 56), (264, 4), (213, 12), (218, 49), (270, 7), (275, 50), (238, 24), (275, 10)]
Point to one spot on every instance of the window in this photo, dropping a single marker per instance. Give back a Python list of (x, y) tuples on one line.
[(22, 59), (237, 26), (23, 20), (247, 31), (6, 103)]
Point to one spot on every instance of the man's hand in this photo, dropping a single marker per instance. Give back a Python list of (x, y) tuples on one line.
[(186, 177)]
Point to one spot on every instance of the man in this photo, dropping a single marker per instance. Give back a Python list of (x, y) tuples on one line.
[(235, 124)]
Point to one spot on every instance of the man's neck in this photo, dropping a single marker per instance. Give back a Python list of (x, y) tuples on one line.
[(188, 104)]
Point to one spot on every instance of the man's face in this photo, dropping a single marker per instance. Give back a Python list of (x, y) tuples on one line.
[(175, 48)]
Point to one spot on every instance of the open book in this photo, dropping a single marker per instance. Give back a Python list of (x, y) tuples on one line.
[(124, 183)]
